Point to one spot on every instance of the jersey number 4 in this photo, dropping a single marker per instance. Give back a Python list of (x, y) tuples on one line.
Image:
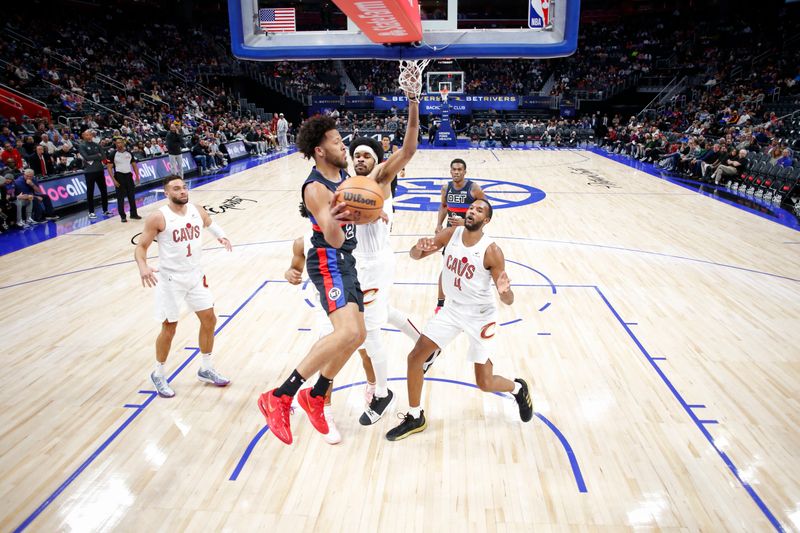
[(457, 283)]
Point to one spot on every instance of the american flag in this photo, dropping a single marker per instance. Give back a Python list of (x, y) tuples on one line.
[(277, 20)]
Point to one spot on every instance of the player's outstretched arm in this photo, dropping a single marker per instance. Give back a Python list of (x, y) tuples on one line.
[(442, 210), (214, 229), (294, 274), (429, 245), (153, 224), (495, 261), (397, 161), (330, 216)]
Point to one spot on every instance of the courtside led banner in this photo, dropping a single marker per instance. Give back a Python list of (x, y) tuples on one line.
[(385, 21), (71, 189)]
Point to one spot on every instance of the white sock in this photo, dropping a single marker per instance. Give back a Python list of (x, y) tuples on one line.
[(517, 387), (416, 412), (205, 361), (159, 370), (381, 378), (403, 323)]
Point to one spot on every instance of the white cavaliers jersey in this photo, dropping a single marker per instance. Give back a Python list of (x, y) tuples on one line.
[(464, 278), (180, 245), (373, 238)]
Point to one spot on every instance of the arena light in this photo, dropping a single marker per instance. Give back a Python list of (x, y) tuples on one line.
[(385, 21)]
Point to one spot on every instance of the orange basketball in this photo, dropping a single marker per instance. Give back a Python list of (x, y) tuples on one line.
[(364, 198)]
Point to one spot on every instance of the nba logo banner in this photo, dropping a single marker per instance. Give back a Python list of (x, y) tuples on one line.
[(539, 17)]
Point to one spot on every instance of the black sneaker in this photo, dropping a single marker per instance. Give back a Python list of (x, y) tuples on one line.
[(376, 409), (136, 217), (429, 361), (523, 399), (408, 426), (124, 220)]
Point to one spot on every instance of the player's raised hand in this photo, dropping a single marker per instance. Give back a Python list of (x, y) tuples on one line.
[(456, 221), (426, 244), (293, 276), (148, 275), (226, 243), (503, 283)]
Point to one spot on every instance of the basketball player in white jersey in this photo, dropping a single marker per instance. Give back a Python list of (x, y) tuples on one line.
[(178, 229), (471, 261), (375, 262)]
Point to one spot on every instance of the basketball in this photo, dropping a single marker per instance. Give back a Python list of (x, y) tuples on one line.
[(363, 197)]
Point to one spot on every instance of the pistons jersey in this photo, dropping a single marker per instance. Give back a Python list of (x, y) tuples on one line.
[(180, 245), (464, 278), (458, 200), (318, 238)]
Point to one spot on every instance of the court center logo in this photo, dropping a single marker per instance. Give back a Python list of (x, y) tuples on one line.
[(425, 194)]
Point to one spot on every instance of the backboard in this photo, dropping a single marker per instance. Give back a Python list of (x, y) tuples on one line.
[(273, 30)]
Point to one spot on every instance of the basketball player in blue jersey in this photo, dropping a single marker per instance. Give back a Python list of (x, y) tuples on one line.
[(331, 267), (457, 196)]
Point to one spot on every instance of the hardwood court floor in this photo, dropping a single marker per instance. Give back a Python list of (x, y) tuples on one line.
[(658, 328)]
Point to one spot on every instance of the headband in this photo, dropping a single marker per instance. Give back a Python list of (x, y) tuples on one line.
[(365, 148)]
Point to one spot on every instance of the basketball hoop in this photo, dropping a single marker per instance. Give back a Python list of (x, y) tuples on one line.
[(443, 92), (410, 78)]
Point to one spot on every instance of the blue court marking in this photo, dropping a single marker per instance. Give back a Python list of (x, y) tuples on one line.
[(495, 155), (544, 334), (696, 406), (81, 234), (133, 406), (775, 214), (98, 267), (391, 329), (573, 460), (309, 303), (631, 323), (137, 411), (223, 316), (548, 280), (709, 421), (511, 322), (545, 306), (303, 329), (724, 456), (659, 358), (623, 249)]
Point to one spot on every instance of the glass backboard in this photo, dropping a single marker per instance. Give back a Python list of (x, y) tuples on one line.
[(271, 30)]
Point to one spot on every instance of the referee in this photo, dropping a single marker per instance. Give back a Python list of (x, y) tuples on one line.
[(122, 169)]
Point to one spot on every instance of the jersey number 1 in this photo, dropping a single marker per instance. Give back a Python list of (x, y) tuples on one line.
[(188, 250)]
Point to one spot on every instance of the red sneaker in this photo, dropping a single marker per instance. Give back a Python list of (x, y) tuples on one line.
[(314, 406), (276, 410)]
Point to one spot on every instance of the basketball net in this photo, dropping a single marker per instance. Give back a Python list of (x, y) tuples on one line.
[(444, 91), (410, 78)]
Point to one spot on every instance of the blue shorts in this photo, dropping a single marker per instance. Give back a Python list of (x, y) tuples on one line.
[(333, 273)]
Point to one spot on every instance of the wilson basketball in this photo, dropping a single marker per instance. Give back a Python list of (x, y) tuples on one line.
[(363, 197)]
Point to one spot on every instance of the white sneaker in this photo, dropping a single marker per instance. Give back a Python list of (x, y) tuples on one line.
[(162, 386), (333, 436), (92, 215)]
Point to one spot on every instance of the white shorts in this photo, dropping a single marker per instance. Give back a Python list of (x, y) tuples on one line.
[(322, 324), (478, 322), (375, 275), (174, 288)]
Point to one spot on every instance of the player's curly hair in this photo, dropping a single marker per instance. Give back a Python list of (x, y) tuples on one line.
[(312, 132), (303, 210)]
